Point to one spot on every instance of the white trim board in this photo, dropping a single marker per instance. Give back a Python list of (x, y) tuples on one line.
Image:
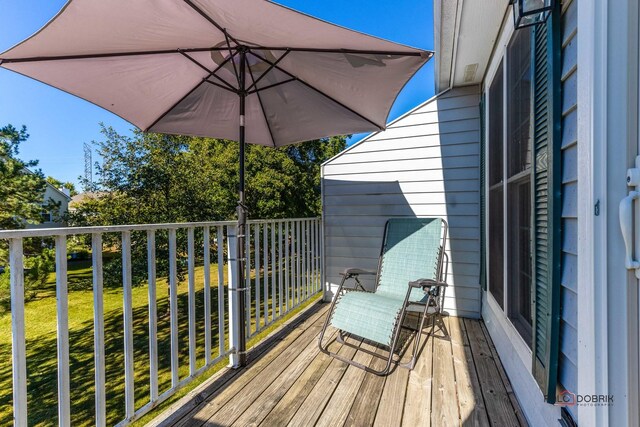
[(508, 342)]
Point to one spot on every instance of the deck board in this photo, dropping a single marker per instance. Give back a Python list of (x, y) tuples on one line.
[(457, 380), (499, 407), (364, 408)]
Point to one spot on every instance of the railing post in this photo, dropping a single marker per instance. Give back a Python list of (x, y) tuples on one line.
[(323, 264), (127, 310), (98, 330), (191, 266), (173, 307), (274, 315), (62, 306), (220, 246), (153, 315), (265, 269), (207, 296), (234, 298), (18, 347)]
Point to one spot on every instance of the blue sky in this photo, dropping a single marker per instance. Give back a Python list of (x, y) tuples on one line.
[(59, 123)]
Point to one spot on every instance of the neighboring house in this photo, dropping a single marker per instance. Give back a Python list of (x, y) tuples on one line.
[(525, 152), (53, 218), (80, 198)]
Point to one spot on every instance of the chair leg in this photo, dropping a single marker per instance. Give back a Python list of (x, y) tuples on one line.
[(328, 318), (416, 344)]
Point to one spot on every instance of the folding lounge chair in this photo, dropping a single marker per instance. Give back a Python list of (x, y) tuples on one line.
[(410, 277)]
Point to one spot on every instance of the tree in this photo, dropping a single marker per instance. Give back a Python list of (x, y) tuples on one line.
[(154, 178), (59, 184), (21, 190)]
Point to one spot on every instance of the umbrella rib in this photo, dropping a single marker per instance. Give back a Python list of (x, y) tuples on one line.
[(107, 55), (425, 53), (255, 82), (188, 93), (319, 91), (235, 69), (221, 86), (264, 114), (229, 86), (211, 20)]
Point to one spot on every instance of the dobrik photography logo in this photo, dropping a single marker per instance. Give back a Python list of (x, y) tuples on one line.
[(567, 398)]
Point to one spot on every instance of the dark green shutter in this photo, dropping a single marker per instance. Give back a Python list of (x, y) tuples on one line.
[(546, 236), (483, 171)]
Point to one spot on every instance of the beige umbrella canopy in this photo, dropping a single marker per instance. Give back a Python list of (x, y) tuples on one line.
[(172, 66), (246, 70)]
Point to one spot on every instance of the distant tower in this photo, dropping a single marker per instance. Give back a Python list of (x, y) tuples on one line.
[(88, 172)]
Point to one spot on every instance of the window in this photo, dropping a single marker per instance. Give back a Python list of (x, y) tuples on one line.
[(509, 183), (46, 216), (519, 182), (495, 217)]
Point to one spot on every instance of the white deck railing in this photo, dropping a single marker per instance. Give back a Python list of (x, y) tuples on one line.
[(284, 272)]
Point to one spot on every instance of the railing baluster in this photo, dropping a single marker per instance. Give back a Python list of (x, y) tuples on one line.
[(273, 272), (62, 308), (173, 307), (191, 267), (206, 270), (153, 315), (322, 255), (317, 277), (294, 280), (298, 264), (310, 249), (18, 346), (265, 282), (256, 250), (286, 265), (305, 260), (247, 279), (127, 311), (310, 256), (98, 330), (220, 247), (280, 312), (314, 243)]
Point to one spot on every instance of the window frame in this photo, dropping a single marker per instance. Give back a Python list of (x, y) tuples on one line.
[(500, 58)]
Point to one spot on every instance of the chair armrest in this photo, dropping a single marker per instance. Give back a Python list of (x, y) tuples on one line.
[(429, 286), (427, 283), (357, 272)]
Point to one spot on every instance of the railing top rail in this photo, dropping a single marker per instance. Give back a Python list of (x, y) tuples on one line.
[(67, 231)]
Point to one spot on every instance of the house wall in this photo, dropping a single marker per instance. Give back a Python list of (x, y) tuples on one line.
[(425, 164), (567, 370), (54, 194)]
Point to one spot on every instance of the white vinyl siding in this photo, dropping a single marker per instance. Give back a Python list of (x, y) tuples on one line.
[(567, 370), (425, 164)]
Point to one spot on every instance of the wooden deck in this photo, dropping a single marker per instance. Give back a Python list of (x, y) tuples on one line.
[(458, 380)]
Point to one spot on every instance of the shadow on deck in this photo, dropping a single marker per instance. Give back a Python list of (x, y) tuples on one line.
[(458, 380)]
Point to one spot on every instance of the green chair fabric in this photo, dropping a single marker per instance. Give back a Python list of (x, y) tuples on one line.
[(411, 251)]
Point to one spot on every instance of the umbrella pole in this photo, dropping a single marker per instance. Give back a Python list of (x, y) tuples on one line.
[(242, 223)]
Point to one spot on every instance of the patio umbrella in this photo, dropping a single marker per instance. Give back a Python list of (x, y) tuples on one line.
[(245, 70)]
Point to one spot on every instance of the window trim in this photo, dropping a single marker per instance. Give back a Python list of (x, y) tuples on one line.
[(499, 56)]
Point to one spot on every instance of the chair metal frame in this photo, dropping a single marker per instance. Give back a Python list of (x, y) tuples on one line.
[(435, 289)]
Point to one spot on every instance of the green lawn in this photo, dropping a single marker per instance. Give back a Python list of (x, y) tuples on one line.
[(40, 316)]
